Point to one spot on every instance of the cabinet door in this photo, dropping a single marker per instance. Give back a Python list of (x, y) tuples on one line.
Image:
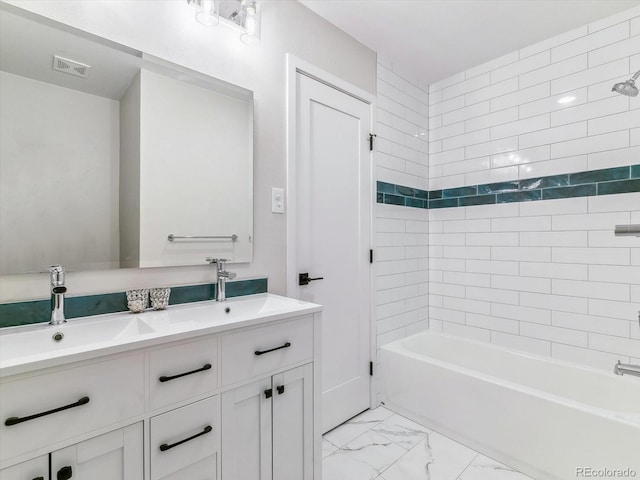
[(116, 455), (246, 432), (293, 424), (34, 469)]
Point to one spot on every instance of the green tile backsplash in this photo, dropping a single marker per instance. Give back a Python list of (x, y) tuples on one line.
[(579, 184), (38, 311)]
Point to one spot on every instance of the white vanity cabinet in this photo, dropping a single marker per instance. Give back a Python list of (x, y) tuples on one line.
[(34, 469), (267, 425), (267, 428), (117, 455), (233, 403), (186, 440)]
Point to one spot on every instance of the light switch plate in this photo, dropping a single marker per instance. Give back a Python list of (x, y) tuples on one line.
[(277, 200)]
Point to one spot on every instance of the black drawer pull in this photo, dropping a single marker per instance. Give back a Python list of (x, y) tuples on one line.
[(280, 389), (262, 352), (164, 378), (164, 447), (65, 473), (268, 393), (15, 420)]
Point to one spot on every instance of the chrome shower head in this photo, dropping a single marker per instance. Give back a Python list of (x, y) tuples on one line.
[(627, 88)]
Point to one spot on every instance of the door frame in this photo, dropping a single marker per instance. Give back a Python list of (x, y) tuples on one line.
[(295, 65)]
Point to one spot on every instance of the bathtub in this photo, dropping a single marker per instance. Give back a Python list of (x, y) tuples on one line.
[(549, 419)]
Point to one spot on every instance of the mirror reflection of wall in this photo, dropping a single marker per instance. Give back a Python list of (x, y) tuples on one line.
[(96, 172), (59, 155)]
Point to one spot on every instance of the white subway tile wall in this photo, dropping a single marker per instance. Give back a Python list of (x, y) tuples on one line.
[(401, 253), (547, 277)]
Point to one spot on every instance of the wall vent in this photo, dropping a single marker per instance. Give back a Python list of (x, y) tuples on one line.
[(71, 67)]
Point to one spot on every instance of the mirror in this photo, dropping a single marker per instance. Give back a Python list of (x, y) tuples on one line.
[(111, 158)]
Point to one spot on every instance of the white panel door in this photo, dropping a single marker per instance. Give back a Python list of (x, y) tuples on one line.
[(246, 432), (293, 424), (34, 469), (115, 455), (333, 217)]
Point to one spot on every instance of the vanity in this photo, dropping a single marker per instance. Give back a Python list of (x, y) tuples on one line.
[(208, 390)]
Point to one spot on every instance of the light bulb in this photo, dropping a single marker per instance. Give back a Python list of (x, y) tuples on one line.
[(251, 21)]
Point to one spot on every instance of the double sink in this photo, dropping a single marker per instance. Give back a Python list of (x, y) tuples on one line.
[(27, 348)]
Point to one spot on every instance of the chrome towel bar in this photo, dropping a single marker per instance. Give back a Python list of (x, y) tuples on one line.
[(173, 237), (628, 230)]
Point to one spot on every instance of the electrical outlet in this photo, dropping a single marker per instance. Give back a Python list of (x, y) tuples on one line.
[(277, 200)]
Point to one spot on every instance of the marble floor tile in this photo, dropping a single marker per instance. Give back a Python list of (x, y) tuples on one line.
[(381, 445), (434, 458), (484, 468), (402, 431), (327, 448), (375, 450), (342, 466), (355, 427)]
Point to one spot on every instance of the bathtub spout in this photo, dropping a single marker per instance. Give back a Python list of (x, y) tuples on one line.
[(622, 368)]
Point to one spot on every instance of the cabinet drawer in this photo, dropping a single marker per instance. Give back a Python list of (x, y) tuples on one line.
[(56, 406), (184, 371), (183, 437), (262, 350)]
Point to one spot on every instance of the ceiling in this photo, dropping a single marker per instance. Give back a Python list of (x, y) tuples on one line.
[(433, 39)]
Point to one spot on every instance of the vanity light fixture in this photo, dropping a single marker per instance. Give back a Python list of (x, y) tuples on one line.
[(244, 14), (207, 11)]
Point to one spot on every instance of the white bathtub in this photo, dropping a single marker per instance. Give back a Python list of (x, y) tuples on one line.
[(544, 417)]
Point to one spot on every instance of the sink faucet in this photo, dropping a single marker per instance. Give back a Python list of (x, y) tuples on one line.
[(57, 294), (622, 368), (222, 277)]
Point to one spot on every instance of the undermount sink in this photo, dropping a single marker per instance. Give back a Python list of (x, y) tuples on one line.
[(53, 338)]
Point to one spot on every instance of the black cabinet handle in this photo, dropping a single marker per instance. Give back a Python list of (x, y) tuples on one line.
[(65, 473), (268, 393), (280, 389), (262, 352), (15, 420), (164, 447), (39, 478), (305, 279), (165, 378)]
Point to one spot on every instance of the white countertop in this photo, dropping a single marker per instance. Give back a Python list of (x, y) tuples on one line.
[(28, 348)]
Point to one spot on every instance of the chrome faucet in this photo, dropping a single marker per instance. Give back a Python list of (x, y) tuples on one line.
[(622, 368), (222, 277), (57, 294)]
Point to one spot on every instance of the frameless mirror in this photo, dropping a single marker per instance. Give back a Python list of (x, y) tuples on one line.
[(111, 158)]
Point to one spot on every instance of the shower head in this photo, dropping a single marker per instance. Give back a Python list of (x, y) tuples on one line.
[(627, 88)]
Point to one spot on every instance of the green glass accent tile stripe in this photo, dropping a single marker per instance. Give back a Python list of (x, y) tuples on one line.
[(569, 192), (39, 311), (606, 181), (246, 287)]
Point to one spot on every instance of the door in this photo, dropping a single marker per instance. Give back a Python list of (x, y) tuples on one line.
[(333, 216), (34, 469), (293, 424), (246, 432), (115, 455)]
